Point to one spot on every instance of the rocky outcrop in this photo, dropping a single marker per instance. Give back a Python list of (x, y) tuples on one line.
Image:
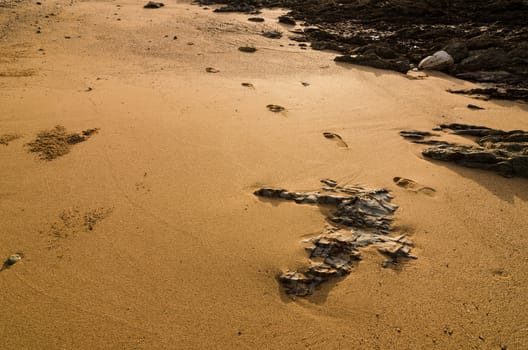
[(487, 42), (360, 218), (505, 152)]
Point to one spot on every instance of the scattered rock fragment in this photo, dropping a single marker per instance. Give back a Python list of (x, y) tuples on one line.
[(505, 152), (472, 106), (303, 83), (6, 138), (256, 19), (153, 5), (211, 70), (416, 134), (393, 252), (11, 260), (249, 49), (287, 20), (275, 108), (338, 138), (272, 34), (249, 85), (57, 142), (361, 218)]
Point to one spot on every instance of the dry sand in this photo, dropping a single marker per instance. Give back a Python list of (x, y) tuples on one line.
[(148, 236)]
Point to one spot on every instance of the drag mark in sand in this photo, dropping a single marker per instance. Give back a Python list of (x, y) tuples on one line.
[(413, 186), (54, 143), (361, 217)]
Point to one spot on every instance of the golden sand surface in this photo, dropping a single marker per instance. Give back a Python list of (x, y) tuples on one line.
[(147, 235)]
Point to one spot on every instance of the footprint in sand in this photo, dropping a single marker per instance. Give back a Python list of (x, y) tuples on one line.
[(413, 186), (275, 108), (337, 138)]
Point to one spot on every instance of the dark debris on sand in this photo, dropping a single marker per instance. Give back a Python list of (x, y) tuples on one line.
[(6, 138), (50, 144), (359, 218), (487, 41)]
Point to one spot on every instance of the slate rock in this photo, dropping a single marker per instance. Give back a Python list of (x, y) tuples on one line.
[(366, 214), (482, 60), (457, 49), (505, 152)]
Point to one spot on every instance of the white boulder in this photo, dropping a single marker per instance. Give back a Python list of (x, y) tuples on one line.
[(438, 61)]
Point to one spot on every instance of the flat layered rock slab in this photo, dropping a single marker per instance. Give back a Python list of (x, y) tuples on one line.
[(361, 218), (505, 152)]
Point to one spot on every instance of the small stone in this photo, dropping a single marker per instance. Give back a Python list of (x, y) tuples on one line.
[(472, 106), (13, 259), (287, 20), (247, 85), (256, 19), (273, 34), (153, 5), (211, 70), (249, 49)]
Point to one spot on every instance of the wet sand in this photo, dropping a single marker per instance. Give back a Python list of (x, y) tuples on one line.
[(187, 256)]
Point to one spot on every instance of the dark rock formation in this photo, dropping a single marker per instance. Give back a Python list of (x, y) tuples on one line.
[(273, 34), (360, 218), (481, 37), (505, 152), (496, 93), (287, 20)]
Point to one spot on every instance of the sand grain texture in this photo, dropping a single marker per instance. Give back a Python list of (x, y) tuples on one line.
[(189, 257)]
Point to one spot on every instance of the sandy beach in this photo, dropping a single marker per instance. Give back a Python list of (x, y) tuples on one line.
[(147, 235)]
